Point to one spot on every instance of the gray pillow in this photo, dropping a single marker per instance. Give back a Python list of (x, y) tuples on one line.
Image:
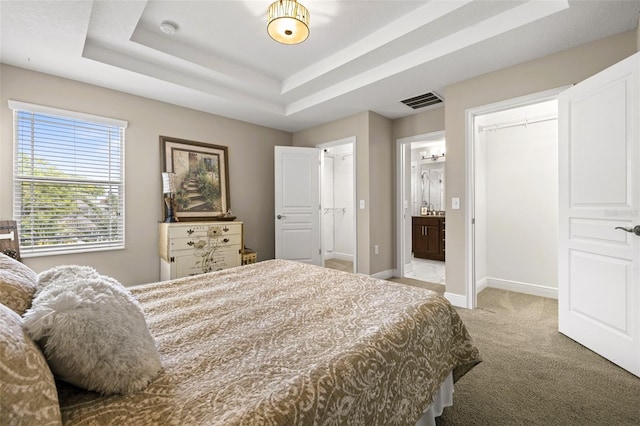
[(92, 331)]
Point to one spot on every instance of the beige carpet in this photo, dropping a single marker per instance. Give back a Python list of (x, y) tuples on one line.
[(340, 265), (533, 375)]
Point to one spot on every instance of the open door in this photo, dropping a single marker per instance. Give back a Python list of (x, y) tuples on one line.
[(599, 189), (297, 204)]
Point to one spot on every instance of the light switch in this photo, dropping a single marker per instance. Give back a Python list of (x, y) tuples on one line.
[(455, 203), (361, 204)]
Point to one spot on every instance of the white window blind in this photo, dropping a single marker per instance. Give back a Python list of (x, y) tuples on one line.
[(68, 180)]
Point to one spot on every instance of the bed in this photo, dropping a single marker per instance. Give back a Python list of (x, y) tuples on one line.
[(285, 343)]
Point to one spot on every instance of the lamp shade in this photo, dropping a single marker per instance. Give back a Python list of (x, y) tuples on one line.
[(168, 183), (288, 22)]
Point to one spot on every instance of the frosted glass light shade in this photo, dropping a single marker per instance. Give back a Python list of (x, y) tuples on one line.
[(288, 22)]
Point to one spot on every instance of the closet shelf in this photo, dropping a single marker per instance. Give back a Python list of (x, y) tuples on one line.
[(335, 210)]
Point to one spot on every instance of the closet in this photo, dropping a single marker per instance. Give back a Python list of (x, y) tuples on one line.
[(337, 189)]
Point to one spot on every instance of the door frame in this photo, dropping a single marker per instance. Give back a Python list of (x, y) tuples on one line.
[(402, 190), (472, 136), (345, 141)]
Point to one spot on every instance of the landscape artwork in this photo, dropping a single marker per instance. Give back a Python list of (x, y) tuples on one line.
[(202, 182)]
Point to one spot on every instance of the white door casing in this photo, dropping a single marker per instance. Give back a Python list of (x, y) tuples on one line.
[(599, 191), (297, 204)]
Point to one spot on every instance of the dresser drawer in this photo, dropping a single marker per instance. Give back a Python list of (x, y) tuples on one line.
[(199, 242), (187, 265), (205, 230)]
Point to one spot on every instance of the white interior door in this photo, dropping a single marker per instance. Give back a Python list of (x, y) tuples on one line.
[(297, 204), (599, 188)]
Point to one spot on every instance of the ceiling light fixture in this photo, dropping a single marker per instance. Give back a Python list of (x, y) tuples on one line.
[(288, 22)]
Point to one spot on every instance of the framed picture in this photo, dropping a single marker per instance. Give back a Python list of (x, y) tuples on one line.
[(201, 177)]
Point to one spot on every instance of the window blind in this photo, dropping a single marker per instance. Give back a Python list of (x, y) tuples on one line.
[(68, 181)]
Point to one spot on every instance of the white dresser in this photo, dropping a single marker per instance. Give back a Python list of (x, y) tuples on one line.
[(191, 248)]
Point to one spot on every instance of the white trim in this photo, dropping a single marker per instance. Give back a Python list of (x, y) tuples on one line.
[(470, 136), (24, 106), (401, 191), (459, 300), (384, 275), (481, 285), (520, 287)]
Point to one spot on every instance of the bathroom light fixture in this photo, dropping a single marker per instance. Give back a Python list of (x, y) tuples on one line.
[(288, 22)]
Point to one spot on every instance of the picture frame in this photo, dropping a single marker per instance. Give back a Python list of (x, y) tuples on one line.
[(202, 178)]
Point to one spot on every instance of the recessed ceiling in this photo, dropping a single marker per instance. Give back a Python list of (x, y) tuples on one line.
[(361, 55)]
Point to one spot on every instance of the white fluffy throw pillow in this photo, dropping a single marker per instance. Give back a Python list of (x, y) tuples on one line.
[(92, 331)]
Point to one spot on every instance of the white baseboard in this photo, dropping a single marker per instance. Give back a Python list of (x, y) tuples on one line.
[(481, 285), (384, 275), (459, 300), (520, 287)]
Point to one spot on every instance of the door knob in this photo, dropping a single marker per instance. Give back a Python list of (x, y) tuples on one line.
[(280, 216), (635, 229)]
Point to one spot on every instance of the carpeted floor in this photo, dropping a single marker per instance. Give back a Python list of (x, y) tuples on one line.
[(340, 265), (533, 375)]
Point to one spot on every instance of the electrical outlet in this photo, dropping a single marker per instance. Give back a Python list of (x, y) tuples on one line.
[(361, 204), (455, 203), (376, 249)]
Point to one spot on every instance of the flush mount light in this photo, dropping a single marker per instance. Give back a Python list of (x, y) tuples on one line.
[(288, 22), (168, 27)]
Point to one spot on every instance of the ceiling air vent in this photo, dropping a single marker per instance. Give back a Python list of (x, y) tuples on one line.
[(423, 101)]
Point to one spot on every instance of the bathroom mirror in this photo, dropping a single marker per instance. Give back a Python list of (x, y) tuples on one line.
[(432, 186)]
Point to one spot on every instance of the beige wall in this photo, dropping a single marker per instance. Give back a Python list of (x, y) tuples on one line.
[(382, 193), (554, 71), (428, 121), (250, 166)]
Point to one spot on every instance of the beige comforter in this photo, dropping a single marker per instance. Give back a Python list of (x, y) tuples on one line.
[(285, 343)]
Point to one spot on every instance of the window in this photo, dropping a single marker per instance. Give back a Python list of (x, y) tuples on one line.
[(68, 177)]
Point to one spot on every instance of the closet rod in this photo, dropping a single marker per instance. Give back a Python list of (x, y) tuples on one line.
[(517, 123)]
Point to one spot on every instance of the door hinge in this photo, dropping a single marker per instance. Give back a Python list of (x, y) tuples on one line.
[(320, 251), (473, 221), (172, 259)]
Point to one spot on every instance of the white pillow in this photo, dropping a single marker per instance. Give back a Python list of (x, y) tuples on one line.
[(92, 331)]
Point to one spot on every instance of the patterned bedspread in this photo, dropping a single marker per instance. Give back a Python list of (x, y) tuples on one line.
[(285, 343)]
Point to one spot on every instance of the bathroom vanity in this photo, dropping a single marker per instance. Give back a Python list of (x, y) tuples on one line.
[(427, 236)]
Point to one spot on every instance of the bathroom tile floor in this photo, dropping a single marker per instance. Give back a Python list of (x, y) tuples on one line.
[(427, 270)]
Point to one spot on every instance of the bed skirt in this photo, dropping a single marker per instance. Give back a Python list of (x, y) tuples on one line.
[(443, 399)]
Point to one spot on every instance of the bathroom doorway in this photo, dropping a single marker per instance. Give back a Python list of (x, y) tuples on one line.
[(338, 205), (421, 208)]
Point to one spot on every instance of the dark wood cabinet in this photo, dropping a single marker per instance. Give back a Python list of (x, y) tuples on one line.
[(428, 237)]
